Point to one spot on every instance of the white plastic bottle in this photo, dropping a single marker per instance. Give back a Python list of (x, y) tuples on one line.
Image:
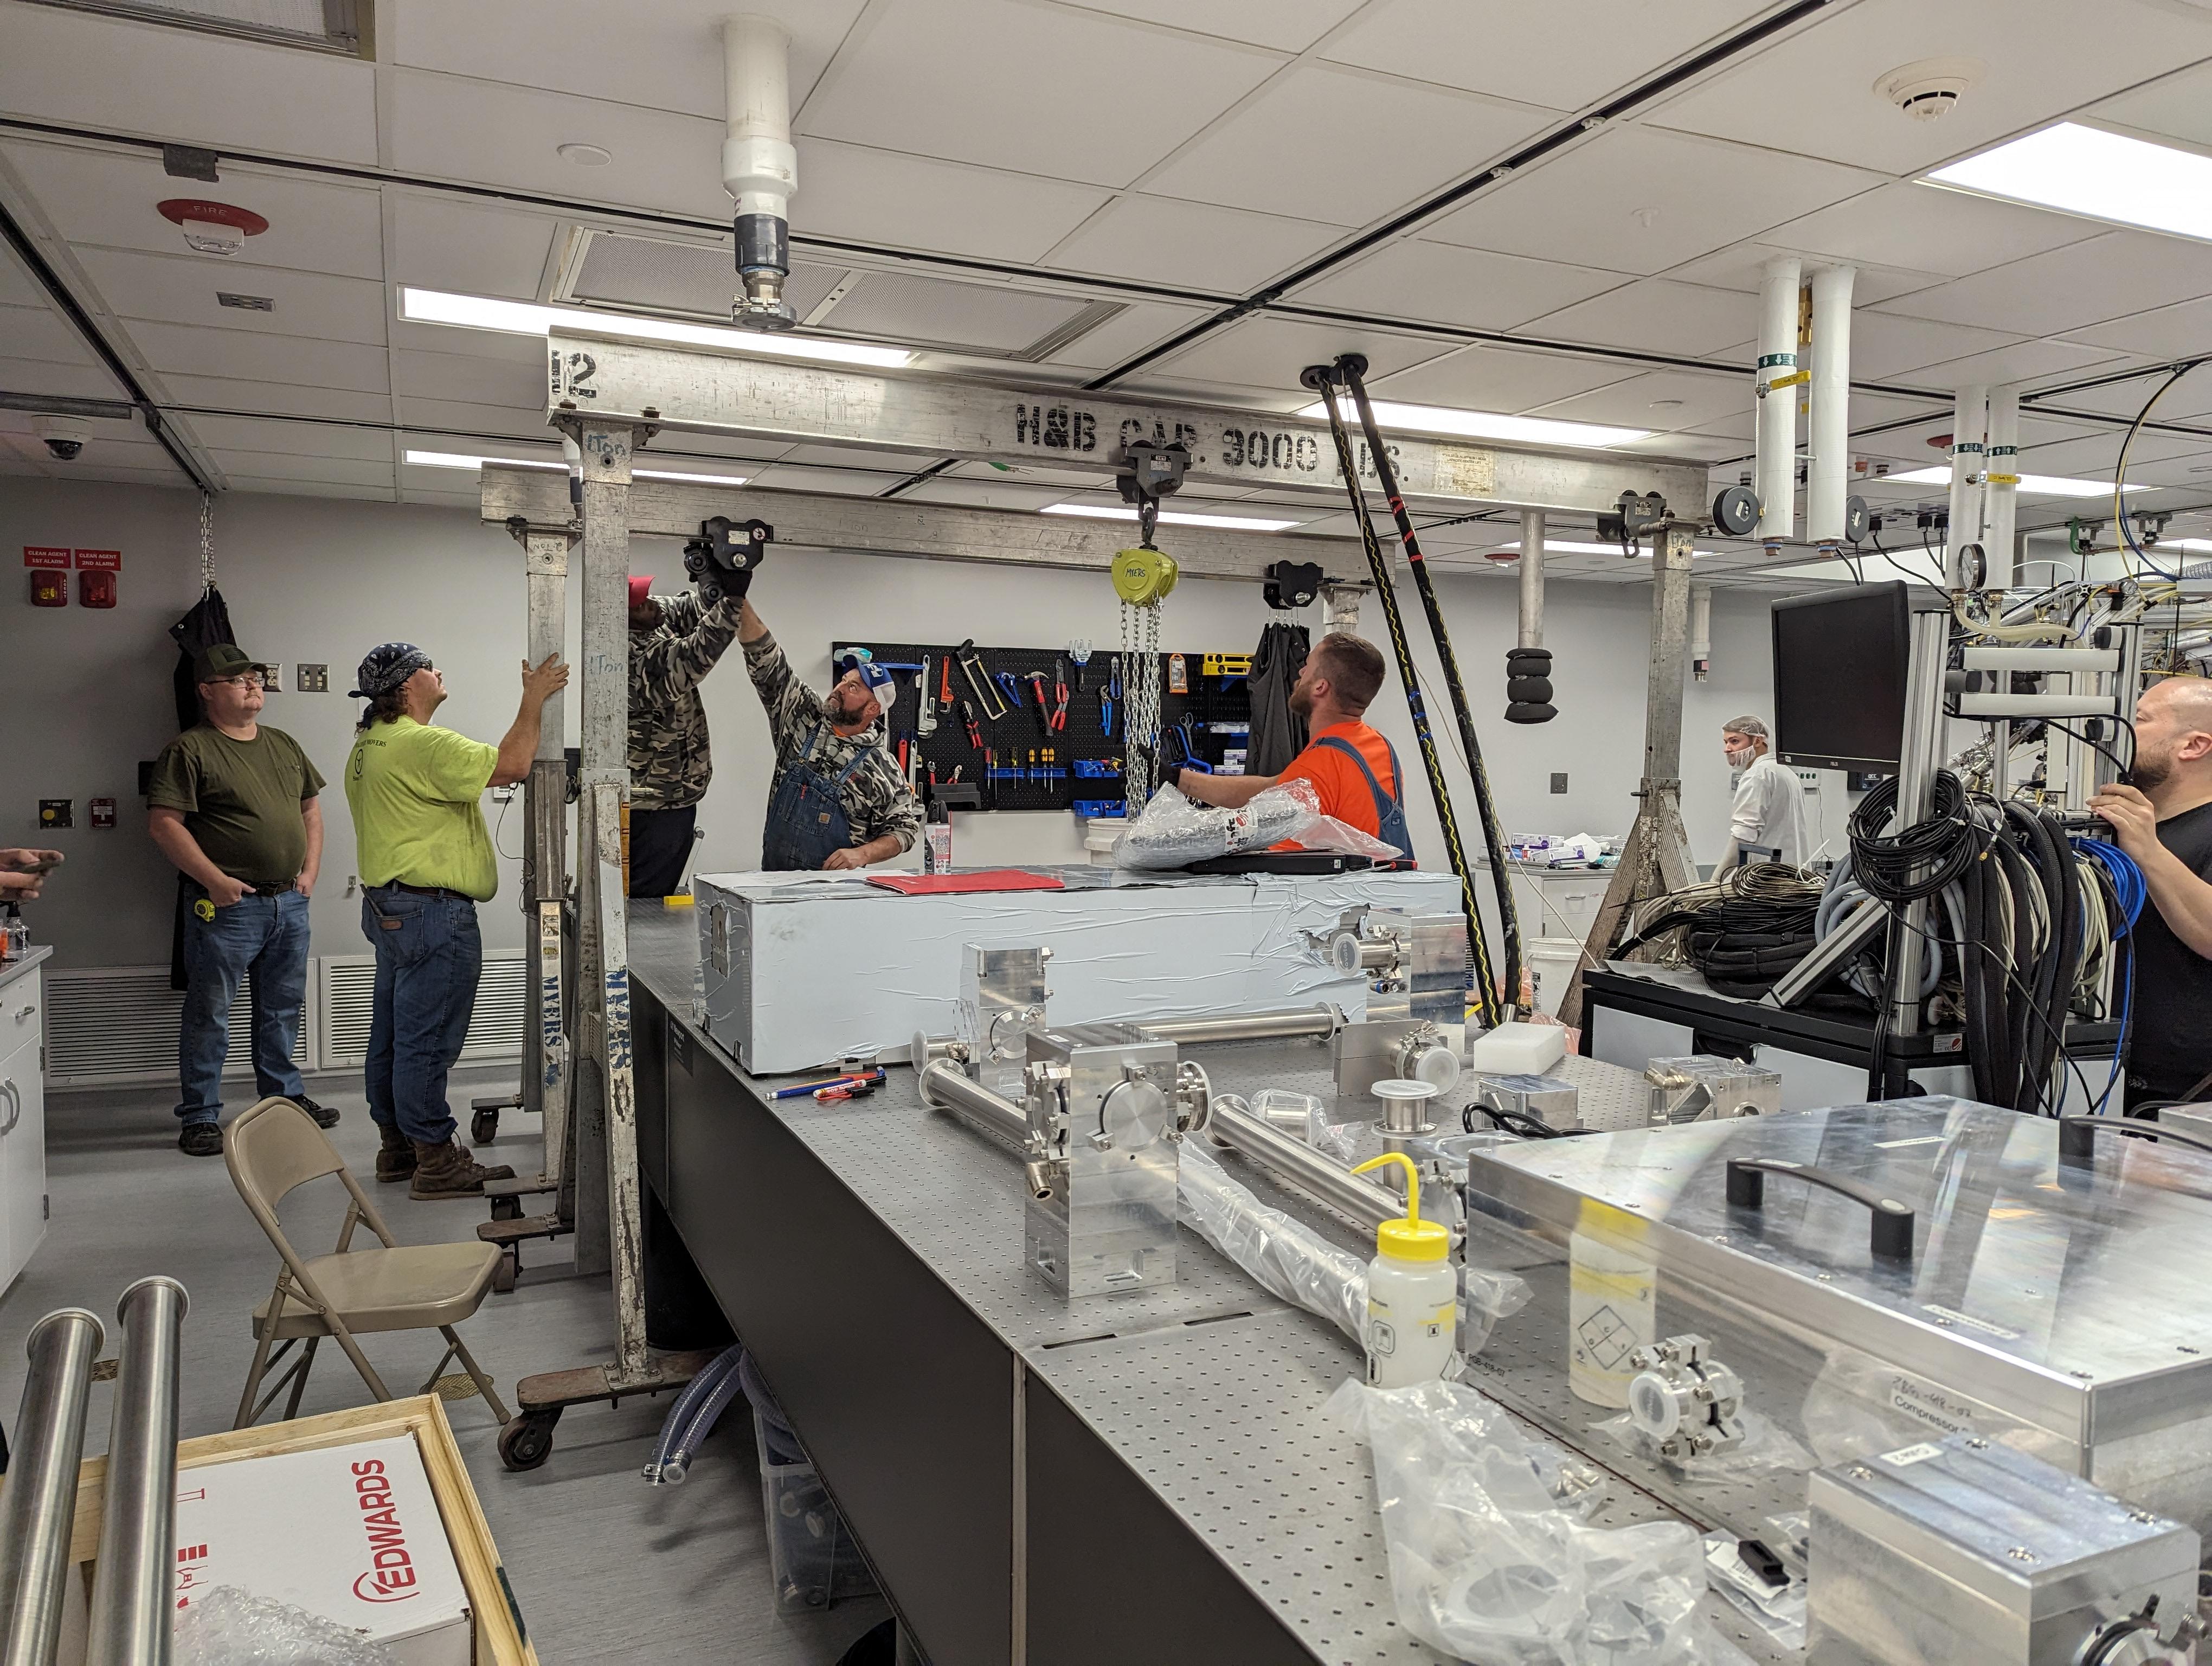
[(1412, 1293)]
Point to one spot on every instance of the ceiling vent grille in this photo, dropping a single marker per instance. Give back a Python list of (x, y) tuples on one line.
[(696, 280), (323, 26)]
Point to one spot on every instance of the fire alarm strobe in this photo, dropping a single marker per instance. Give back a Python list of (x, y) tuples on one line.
[(212, 228)]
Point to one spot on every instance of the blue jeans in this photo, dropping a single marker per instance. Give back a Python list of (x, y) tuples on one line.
[(429, 958), (267, 936)]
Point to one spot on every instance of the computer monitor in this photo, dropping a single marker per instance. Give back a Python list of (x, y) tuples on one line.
[(1840, 664)]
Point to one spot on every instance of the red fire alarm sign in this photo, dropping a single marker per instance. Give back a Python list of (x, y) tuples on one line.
[(103, 813), (99, 560), (49, 575)]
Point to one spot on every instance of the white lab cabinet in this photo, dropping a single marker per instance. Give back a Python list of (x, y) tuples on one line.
[(22, 1114)]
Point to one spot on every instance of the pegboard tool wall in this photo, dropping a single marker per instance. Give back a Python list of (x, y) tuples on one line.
[(1021, 732)]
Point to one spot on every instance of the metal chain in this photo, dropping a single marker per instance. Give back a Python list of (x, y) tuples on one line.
[(207, 540), (1140, 679)]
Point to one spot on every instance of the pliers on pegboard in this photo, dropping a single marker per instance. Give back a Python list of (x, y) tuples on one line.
[(1059, 721), (1109, 697)]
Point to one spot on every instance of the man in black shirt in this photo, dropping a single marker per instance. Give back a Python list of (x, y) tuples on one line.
[(2165, 822)]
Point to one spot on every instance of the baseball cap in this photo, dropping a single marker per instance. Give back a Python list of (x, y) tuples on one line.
[(640, 587), (218, 660), (881, 684), (386, 667)]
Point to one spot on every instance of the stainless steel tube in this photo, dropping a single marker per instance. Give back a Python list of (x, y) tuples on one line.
[(1323, 1020), (1357, 1200), (945, 1087), (1532, 578), (130, 1623), (38, 1506)]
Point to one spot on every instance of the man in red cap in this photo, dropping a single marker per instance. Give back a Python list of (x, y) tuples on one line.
[(674, 641)]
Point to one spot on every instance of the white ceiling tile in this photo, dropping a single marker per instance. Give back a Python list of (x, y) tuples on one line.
[(1268, 353), (1163, 239), (1884, 344), (2043, 58), (984, 494), (468, 246), (1589, 203), (461, 416), (1074, 95), (222, 393), (1062, 481), (476, 381), (1288, 25), (1126, 334), (885, 198), (1663, 400), (40, 333), (2102, 277), (843, 482), (228, 434), (670, 56), (1655, 316), (2168, 332), (849, 457), (2024, 361), (1922, 227), (109, 197), (1498, 379), (1567, 54), (181, 288), (2175, 107), (17, 287), (87, 71), (272, 358), (1430, 136), (445, 126), (293, 465), (82, 381), (1740, 267), (1447, 284)]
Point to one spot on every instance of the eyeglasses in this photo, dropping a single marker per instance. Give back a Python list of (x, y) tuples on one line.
[(251, 680)]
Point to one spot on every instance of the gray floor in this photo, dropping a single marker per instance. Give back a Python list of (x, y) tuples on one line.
[(606, 1568)]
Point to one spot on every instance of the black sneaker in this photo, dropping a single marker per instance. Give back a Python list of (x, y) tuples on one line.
[(327, 1117), (200, 1140)]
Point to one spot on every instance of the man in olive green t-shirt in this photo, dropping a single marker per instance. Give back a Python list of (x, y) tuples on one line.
[(426, 860), (233, 804)]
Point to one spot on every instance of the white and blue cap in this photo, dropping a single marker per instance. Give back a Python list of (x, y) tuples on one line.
[(881, 684)]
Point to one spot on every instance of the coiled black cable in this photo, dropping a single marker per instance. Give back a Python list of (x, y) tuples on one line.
[(1915, 862)]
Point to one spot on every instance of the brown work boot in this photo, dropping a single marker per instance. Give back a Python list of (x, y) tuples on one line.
[(448, 1171), (395, 1157)]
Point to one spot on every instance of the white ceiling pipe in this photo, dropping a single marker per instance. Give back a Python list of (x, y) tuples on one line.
[(1701, 629), (759, 167), (1532, 578), (1969, 422), (1774, 465), (2001, 486), (1825, 488)]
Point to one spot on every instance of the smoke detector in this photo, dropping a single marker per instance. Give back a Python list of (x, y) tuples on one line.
[(212, 228), (1929, 86)]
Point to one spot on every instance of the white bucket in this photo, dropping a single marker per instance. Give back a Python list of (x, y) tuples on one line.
[(1552, 963), (1099, 834)]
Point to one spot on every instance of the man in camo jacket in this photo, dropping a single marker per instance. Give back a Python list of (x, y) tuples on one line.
[(674, 641), (838, 800)]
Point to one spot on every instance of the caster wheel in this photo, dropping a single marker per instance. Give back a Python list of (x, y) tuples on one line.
[(502, 1277), (484, 1125), (527, 1441), (506, 1208)]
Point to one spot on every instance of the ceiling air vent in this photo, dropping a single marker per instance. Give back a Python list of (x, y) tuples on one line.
[(323, 26), (696, 280)]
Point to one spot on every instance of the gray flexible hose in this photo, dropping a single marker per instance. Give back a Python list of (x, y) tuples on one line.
[(695, 1393), (679, 1463)]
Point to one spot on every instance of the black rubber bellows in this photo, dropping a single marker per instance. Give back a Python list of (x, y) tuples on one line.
[(1528, 685)]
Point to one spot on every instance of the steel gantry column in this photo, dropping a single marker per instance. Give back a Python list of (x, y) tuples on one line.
[(545, 871), (1657, 858)]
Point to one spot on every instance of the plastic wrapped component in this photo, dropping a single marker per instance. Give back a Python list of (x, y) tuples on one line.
[(1298, 1114), (1776, 1609), (1174, 832), (1286, 1258), (1486, 1566), (227, 1626), (812, 1561)]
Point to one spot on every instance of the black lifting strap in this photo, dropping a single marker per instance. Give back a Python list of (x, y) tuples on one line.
[(1351, 368), (1322, 379)]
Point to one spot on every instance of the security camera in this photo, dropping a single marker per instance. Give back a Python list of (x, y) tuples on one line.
[(65, 436)]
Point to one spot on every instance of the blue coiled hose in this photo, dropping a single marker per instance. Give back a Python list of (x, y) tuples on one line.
[(2132, 892)]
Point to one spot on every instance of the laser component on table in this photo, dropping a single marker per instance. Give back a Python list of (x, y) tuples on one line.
[(1684, 1401), (1365, 1054), (1553, 1101), (1706, 1087), (1002, 1003)]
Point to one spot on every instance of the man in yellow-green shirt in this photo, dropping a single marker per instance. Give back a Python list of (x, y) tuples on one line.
[(426, 861)]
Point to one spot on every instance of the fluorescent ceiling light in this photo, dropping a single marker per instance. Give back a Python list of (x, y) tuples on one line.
[(2049, 485), (2098, 175), (2197, 545), (528, 318), (454, 459), (1559, 547), (1173, 518), (1485, 424)]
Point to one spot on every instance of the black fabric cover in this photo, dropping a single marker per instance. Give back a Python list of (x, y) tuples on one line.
[(1276, 735), (206, 623)]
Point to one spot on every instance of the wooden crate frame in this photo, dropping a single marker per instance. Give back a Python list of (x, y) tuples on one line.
[(500, 1638)]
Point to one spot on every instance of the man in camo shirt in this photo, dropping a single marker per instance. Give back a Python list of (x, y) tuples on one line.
[(838, 800), (674, 641)]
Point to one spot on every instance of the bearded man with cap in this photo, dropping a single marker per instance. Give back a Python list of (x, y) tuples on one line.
[(838, 799), (674, 641), (426, 860)]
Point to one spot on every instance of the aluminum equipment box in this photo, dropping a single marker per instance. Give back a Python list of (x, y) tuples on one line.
[(1709, 1087), (798, 971), (2060, 1306), (1964, 1552)]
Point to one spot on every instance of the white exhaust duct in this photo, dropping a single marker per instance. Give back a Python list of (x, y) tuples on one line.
[(1824, 498), (2001, 486), (1701, 629), (760, 167), (1775, 444), (1969, 420)]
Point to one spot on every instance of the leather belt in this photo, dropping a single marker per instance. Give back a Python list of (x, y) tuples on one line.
[(422, 891)]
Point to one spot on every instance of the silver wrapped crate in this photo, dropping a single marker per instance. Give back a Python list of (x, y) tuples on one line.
[(1966, 1553), (1710, 1087), (1876, 1274)]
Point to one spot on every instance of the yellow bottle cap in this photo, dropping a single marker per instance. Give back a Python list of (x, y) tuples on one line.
[(682, 899), (1412, 1239)]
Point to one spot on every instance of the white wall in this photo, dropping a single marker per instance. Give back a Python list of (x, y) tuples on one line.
[(318, 579)]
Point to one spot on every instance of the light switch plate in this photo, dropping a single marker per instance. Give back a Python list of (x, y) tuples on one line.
[(313, 679)]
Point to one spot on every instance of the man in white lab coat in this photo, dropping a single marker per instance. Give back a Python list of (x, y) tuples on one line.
[(1769, 812)]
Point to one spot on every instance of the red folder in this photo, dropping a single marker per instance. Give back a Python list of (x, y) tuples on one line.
[(948, 885)]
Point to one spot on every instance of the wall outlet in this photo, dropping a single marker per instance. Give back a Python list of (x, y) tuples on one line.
[(1559, 782), (312, 679), (275, 682)]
